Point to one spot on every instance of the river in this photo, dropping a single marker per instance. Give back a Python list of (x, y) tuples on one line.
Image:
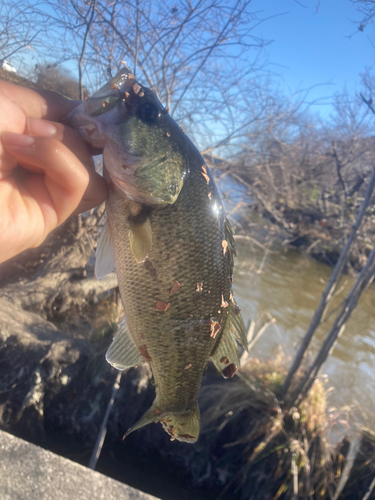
[(289, 288)]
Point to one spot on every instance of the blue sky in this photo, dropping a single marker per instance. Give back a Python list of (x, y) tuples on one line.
[(314, 43), (311, 48)]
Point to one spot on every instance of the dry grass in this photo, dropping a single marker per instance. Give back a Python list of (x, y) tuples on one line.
[(273, 454)]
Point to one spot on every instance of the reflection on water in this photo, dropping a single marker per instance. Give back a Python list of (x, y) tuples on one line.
[(289, 288)]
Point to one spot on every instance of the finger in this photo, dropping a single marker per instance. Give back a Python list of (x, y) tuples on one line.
[(64, 134), (38, 103), (17, 103), (65, 177), (97, 189), (45, 128)]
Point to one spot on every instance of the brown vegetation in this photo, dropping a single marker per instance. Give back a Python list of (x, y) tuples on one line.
[(309, 178)]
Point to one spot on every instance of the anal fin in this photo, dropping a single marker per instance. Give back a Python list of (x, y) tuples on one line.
[(123, 353), (105, 254)]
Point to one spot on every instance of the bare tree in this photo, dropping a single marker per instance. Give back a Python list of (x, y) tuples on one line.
[(200, 58), (20, 27), (367, 10)]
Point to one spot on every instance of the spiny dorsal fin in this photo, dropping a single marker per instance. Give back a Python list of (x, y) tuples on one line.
[(225, 354), (140, 237), (229, 235), (105, 254), (228, 232), (123, 353)]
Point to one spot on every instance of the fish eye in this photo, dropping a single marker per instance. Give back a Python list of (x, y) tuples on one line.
[(149, 112)]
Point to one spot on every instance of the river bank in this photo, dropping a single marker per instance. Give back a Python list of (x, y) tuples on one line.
[(316, 223), (55, 385), (248, 448)]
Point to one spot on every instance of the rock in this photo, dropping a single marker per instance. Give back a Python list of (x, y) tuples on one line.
[(52, 384), (29, 472)]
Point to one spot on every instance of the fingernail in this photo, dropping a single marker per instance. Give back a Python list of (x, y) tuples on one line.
[(17, 140), (40, 128)]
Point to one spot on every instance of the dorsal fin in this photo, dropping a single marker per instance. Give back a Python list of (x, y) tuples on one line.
[(123, 353), (234, 319), (228, 232), (236, 324), (224, 356)]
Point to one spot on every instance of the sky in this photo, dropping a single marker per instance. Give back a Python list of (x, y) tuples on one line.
[(314, 44), (316, 47)]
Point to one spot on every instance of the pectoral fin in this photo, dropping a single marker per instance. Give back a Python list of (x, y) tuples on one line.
[(140, 237), (123, 353), (105, 254)]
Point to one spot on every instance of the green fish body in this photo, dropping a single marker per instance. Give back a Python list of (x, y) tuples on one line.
[(172, 248)]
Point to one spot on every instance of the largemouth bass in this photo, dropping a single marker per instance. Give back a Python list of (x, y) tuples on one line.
[(171, 246)]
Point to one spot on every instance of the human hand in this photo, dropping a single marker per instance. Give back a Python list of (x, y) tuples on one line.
[(46, 169)]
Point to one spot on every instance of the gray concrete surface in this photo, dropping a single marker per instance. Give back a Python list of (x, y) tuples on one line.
[(28, 472)]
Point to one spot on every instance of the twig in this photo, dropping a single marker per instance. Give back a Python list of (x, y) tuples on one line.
[(372, 485), (295, 476), (355, 444), (136, 39), (260, 270), (253, 240), (103, 428), (368, 103), (313, 245), (252, 341), (338, 327), (217, 42), (80, 60), (330, 288), (260, 332), (92, 285)]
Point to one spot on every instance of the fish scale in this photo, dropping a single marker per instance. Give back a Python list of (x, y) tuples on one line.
[(171, 246), (176, 256)]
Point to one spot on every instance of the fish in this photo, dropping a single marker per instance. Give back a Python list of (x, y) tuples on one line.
[(169, 241)]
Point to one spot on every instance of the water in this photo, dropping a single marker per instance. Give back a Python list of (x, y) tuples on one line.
[(289, 288)]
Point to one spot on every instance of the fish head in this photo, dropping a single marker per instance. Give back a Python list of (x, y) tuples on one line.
[(145, 152)]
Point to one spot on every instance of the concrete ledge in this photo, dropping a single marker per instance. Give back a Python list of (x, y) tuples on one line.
[(28, 472)]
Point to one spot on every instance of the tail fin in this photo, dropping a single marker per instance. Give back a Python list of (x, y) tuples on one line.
[(183, 426), (180, 426)]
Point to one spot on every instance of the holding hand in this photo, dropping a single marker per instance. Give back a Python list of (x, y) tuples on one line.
[(46, 169)]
